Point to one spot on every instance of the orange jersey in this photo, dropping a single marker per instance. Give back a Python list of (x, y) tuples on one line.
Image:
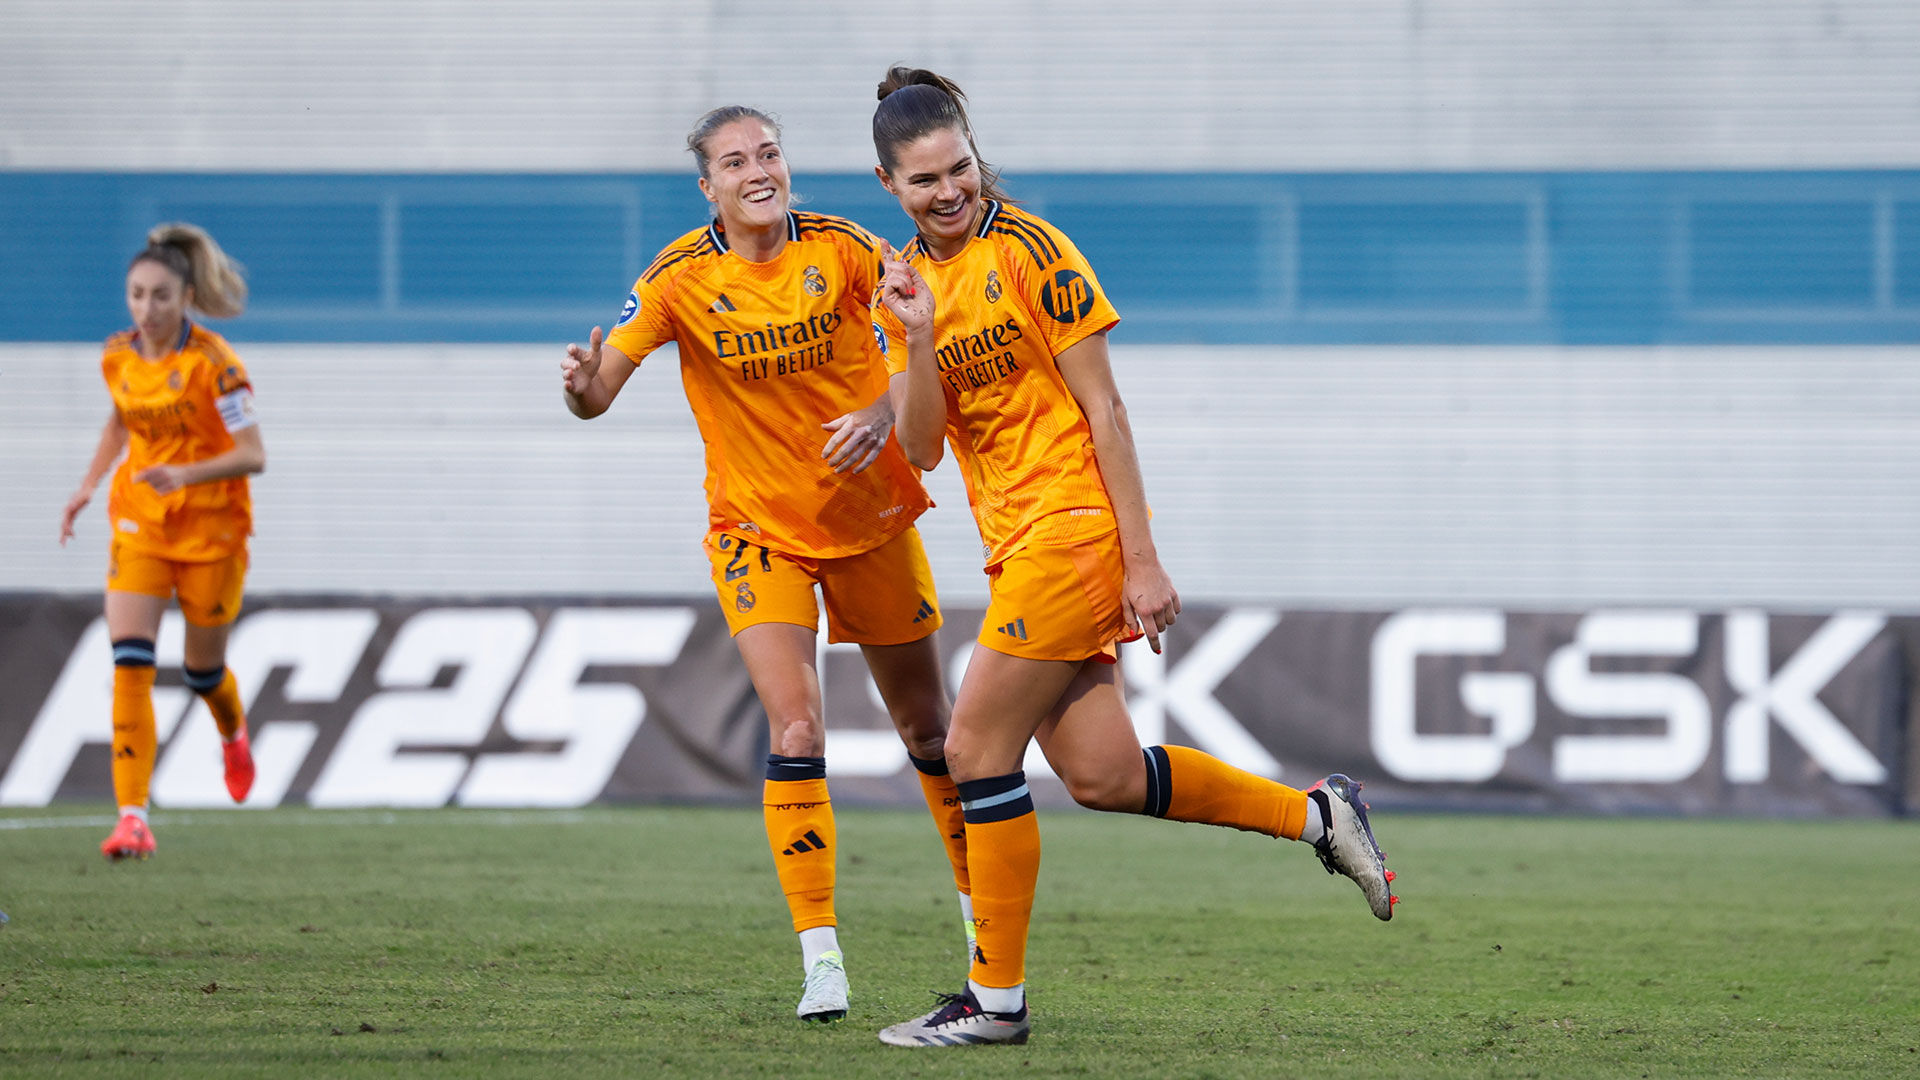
[(179, 409), (768, 352), (1015, 297)]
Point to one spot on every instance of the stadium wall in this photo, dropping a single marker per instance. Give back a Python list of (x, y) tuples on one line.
[(585, 86), (1524, 477)]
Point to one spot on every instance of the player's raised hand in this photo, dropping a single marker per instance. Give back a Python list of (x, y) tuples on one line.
[(904, 291), (582, 366)]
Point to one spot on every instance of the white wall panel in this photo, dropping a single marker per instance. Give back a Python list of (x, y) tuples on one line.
[(592, 85), (1525, 477)]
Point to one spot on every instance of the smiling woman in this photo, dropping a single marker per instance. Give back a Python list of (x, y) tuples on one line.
[(997, 331), (806, 489), (744, 175)]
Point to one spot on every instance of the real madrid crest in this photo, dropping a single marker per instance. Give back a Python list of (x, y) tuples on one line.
[(743, 598), (993, 286), (815, 284)]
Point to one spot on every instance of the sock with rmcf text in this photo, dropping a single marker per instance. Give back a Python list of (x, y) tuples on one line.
[(1003, 864), (800, 833), (943, 799)]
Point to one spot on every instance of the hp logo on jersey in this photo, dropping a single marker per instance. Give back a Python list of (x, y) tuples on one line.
[(631, 309), (1067, 297)]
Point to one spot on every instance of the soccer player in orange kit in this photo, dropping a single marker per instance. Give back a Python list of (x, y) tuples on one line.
[(996, 333), (179, 506), (770, 310)]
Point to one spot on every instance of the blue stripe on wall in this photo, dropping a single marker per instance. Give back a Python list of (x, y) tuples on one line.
[(1533, 258)]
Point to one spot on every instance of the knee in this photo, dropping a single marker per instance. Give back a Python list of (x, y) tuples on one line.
[(962, 763), (923, 730), (1110, 794), (796, 731)]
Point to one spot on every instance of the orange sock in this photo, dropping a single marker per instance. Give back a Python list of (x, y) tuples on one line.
[(943, 798), (222, 694), (1003, 862), (800, 833), (1184, 784), (134, 739)]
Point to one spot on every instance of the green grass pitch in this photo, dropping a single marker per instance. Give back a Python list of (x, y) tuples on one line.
[(652, 942)]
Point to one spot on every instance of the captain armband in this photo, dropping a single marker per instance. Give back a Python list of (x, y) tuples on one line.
[(236, 409)]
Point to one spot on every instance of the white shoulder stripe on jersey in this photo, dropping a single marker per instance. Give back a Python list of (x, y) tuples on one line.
[(986, 221)]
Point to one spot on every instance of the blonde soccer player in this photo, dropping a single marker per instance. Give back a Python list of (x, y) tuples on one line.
[(996, 329), (806, 490), (179, 508)]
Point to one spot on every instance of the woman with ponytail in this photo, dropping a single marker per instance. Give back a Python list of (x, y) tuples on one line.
[(179, 508), (996, 330)]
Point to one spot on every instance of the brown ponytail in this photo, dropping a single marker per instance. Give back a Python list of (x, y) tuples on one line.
[(915, 102), (219, 289)]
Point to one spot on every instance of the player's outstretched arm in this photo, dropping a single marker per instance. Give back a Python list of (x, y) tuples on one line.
[(113, 440), (591, 378)]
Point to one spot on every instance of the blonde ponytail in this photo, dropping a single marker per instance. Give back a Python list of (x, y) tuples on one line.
[(219, 287)]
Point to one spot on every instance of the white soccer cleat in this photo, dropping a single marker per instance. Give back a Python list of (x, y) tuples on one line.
[(1348, 846), (824, 998), (959, 1021)]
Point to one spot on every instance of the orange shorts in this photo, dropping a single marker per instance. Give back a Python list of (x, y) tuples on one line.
[(1058, 603), (209, 592), (879, 597)]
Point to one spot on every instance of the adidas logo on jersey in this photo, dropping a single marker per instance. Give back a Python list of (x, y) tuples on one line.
[(926, 612), (1015, 629), (723, 304), (809, 841)]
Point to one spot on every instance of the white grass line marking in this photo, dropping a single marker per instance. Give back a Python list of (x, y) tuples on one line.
[(309, 818), (58, 823)]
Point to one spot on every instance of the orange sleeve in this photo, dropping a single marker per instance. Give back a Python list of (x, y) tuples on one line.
[(646, 321), (1058, 284)]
